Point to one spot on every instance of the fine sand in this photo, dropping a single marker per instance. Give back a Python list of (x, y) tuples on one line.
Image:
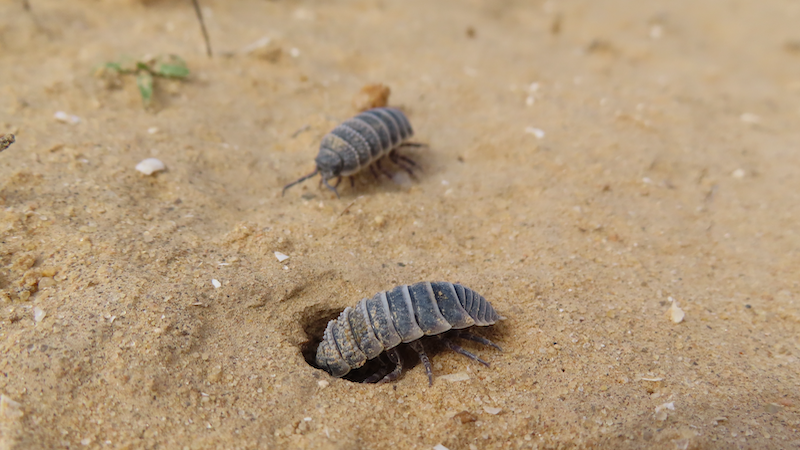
[(596, 170)]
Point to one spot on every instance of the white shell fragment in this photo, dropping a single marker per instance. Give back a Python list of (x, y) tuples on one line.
[(453, 377), (670, 406), (38, 314), (661, 411), (150, 166), (535, 131), (440, 447), (738, 173), (676, 314), (492, 410), (9, 408), (216, 283), (281, 257), (61, 116)]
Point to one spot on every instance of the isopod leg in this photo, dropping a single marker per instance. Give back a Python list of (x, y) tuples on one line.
[(409, 160), (417, 346), (396, 159), (384, 171), (352, 181), (374, 173), (333, 188), (413, 144), (478, 339), (398, 368), (456, 348), (379, 374), (338, 180)]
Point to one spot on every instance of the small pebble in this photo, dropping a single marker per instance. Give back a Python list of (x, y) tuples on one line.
[(738, 173), (61, 116), (773, 408), (749, 118), (492, 410), (150, 166), (281, 257), (9, 408), (46, 282), (6, 140), (152, 130), (661, 411), (535, 131), (294, 52), (38, 314), (676, 314), (323, 384), (440, 447), (453, 377), (465, 417), (216, 283)]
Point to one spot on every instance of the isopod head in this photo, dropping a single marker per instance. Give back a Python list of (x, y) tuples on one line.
[(329, 164)]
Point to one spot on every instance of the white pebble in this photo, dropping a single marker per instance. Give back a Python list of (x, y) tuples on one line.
[(150, 166), (676, 314), (281, 257), (216, 284), (535, 131), (440, 447), (749, 118), (670, 406), (152, 130), (323, 384), (38, 314), (738, 173), (453, 377), (492, 410), (656, 31), (294, 52), (61, 116)]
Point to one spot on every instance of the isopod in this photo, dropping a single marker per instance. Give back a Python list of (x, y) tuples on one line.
[(359, 142), (403, 315)]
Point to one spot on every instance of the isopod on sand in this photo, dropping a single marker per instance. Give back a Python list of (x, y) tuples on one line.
[(359, 142), (403, 315)]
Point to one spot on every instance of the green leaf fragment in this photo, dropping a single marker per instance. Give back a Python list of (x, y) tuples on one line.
[(172, 70), (144, 80)]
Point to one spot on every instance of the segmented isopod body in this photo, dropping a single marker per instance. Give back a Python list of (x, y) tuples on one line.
[(359, 142), (403, 315)]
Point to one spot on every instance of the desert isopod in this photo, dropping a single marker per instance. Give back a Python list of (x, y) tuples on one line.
[(403, 315), (359, 142)]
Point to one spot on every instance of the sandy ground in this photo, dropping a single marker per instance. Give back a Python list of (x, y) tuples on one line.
[(665, 171)]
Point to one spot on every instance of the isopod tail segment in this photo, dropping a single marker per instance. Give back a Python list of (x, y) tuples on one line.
[(359, 142), (403, 315)]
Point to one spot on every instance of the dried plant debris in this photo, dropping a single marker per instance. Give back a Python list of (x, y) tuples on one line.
[(6, 140), (372, 96), (146, 70)]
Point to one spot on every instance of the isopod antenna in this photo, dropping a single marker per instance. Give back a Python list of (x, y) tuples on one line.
[(304, 178)]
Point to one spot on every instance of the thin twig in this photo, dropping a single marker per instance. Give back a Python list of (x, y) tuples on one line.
[(347, 208), (303, 128), (202, 26)]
